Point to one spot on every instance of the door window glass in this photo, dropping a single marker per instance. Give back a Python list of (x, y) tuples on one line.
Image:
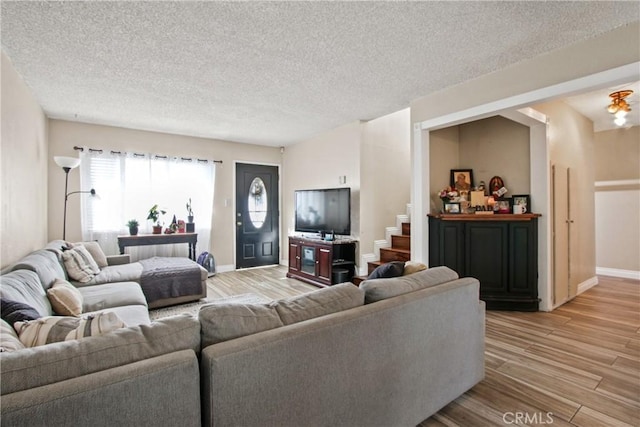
[(257, 205)]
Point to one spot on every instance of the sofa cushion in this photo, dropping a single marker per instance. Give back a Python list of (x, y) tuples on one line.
[(319, 303), (379, 289), (25, 286), (131, 315), (45, 264), (65, 299), (109, 295), (116, 273), (15, 311), (9, 340), (222, 321), (52, 329), (387, 270), (34, 367), (411, 267), (95, 251), (79, 264)]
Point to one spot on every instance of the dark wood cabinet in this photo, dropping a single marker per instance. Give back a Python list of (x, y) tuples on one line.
[(501, 251), (320, 262)]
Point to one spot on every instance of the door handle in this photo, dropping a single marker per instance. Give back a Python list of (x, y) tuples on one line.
[(238, 223)]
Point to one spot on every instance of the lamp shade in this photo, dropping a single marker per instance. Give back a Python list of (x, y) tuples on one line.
[(66, 162)]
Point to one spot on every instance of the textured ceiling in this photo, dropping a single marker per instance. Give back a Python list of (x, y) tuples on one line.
[(273, 73)]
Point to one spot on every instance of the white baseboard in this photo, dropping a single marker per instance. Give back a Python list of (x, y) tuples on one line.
[(225, 268), (614, 272), (586, 285)]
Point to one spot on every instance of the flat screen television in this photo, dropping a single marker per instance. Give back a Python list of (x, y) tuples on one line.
[(323, 211)]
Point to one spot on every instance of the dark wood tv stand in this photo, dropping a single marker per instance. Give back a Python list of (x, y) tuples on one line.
[(320, 262)]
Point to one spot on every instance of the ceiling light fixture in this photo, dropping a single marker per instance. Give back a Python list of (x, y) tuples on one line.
[(619, 106)]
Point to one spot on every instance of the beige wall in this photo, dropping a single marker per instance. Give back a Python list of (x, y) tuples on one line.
[(385, 175), (23, 224), (64, 135), (490, 147), (318, 163), (617, 154), (444, 155), (571, 144), (497, 146)]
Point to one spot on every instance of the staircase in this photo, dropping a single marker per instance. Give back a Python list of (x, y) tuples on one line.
[(400, 250)]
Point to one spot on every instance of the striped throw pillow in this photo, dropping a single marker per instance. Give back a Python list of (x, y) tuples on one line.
[(52, 329), (79, 264)]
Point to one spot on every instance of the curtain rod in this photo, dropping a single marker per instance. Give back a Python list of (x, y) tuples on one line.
[(98, 150)]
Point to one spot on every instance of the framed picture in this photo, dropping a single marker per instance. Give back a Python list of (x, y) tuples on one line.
[(503, 206), (462, 180), (523, 199), (452, 207)]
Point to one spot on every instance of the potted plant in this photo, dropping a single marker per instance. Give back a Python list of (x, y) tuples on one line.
[(154, 216), (133, 226), (189, 211)]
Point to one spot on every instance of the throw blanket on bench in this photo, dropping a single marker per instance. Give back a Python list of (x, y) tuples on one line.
[(169, 278)]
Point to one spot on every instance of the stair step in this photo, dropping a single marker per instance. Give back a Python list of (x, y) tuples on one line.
[(406, 228), (358, 279), (401, 242), (393, 254), (372, 265)]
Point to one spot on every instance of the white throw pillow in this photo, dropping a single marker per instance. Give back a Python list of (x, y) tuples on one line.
[(96, 253), (79, 264)]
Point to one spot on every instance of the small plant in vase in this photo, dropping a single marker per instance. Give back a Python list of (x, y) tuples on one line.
[(154, 216), (133, 226)]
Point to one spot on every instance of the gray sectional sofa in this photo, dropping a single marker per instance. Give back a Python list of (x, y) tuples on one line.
[(390, 352), (141, 374), (413, 347)]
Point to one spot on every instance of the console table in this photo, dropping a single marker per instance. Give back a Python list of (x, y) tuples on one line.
[(501, 251), (160, 239)]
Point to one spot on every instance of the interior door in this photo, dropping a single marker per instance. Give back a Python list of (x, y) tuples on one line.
[(257, 215), (561, 234)]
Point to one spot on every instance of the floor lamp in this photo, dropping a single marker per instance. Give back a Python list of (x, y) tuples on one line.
[(68, 163)]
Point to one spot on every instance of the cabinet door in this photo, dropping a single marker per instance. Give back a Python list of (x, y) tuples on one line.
[(486, 255), (324, 264), (451, 248), (294, 256), (308, 259), (523, 261)]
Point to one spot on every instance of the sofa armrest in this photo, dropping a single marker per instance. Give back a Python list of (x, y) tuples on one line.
[(159, 391), (118, 259)]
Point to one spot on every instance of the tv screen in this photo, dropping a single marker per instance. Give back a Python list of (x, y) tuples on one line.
[(323, 211)]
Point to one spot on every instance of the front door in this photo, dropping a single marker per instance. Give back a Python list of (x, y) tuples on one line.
[(257, 215)]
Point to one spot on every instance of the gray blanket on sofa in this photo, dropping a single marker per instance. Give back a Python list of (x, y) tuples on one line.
[(169, 278)]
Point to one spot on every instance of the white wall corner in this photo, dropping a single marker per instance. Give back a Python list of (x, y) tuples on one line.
[(364, 264), (615, 272), (400, 219), (388, 232), (377, 244), (409, 211)]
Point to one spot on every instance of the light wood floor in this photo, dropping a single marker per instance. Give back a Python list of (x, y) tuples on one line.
[(576, 366)]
